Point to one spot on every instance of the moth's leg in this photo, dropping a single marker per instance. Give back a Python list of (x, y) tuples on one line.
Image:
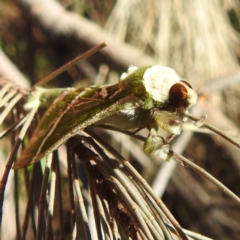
[(170, 138), (138, 130), (172, 123), (156, 145), (175, 122), (192, 126)]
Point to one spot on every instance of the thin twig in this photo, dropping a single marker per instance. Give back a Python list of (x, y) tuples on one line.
[(42, 199), (217, 131), (153, 207), (10, 106), (136, 209), (7, 97), (81, 202), (5, 89), (13, 127), (70, 160), (140, 179), (125, 181), (195, 236), (104, 223), (16, 197), (124, 186), (60, 202), (95, 209), (48, 230), (194, 166), (71, 63), (12, 157), (30, 204)]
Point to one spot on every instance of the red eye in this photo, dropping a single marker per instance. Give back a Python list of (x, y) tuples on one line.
[(186, 83), (178, 96)]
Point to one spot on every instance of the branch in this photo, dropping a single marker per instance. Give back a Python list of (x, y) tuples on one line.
[(10, 71), (75, 30)]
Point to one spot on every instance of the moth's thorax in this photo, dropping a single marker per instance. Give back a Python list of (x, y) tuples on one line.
[(158, 86), (158, 80)]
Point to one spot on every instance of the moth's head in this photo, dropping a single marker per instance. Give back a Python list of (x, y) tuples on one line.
[(166, 87)]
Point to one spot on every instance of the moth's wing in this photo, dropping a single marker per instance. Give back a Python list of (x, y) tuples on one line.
[(71, 112)]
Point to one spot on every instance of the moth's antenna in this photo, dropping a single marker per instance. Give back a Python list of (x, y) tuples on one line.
[(70, 64), (200, 85)]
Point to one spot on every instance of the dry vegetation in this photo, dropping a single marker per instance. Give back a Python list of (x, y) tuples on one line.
[(200, 40)]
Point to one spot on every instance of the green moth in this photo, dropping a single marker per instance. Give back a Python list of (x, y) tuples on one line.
[(145, 97)]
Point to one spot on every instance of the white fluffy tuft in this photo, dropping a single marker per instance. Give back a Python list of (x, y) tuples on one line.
[(130, 70), (158, 80)]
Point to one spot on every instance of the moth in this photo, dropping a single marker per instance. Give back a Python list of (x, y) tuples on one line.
[(150, 97)]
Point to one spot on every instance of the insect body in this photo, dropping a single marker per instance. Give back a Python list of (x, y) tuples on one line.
[(150, 96)]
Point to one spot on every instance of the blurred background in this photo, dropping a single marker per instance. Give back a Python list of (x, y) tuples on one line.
[(198, 38)]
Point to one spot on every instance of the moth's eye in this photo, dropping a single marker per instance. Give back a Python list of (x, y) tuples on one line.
[(187, 83), (178, 95)]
